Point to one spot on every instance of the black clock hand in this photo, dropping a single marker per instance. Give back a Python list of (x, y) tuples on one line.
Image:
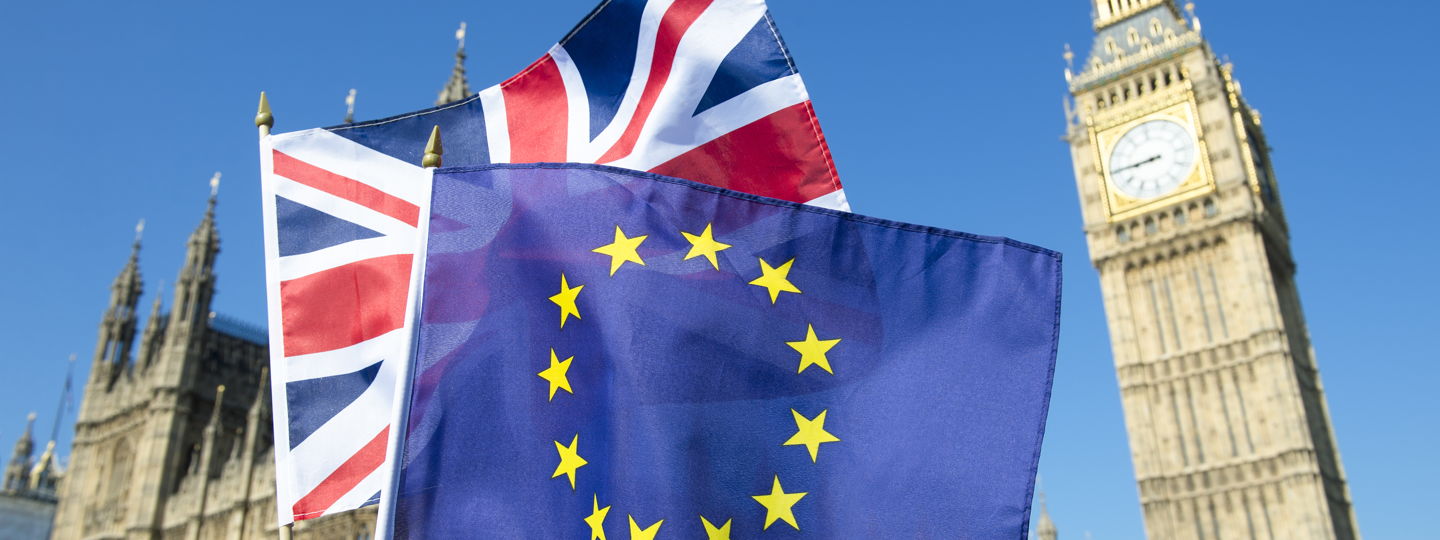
[(1136, 164)]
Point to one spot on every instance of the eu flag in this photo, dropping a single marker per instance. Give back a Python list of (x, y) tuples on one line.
[(606, 353)]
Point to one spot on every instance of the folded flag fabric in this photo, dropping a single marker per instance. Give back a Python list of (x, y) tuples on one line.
[(603, 353), (698, 89)]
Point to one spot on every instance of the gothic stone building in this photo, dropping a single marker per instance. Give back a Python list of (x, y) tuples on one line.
[(1229, 429), (175, 442)]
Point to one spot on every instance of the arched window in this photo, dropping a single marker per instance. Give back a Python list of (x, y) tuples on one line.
[(1150, 227), (118, 488), (1123, 234), (1179, 217), (1155, 28), (1210, 209)]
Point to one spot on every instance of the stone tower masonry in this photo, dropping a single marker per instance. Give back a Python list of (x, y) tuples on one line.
[(1229, 428)]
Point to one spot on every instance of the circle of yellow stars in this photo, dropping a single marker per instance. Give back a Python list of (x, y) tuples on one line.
[(809, 432)]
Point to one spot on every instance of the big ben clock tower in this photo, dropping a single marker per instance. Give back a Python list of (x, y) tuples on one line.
[(1229, 430)]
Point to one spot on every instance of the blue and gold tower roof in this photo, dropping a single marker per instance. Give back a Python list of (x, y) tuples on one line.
[(1131, 34)]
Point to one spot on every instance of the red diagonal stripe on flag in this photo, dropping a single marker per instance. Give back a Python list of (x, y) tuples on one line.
[(673, 25), (344, 479), (345, 305), (346, 188)]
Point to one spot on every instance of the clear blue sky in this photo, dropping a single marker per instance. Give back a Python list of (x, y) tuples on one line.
[(940, 113)]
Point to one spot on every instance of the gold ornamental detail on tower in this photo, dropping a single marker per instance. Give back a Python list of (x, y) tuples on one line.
[(1100, 72), (1134, 108)]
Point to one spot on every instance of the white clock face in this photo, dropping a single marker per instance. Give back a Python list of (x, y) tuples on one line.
[(1152, 159)]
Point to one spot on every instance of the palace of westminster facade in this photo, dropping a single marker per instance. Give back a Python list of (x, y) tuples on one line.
[(1229, 429)]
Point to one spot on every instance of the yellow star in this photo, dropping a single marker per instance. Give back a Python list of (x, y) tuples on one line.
[(556, 374), (704, 244), (566, 300), (812, 351), (778, 503), (596, 520), (811, 433), (636, 533), (622, 250), (775, 279), (569, 460), (712, 532)]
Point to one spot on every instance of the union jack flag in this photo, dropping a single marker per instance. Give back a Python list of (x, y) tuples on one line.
[(698, 89), (703, 90), (342, 248)]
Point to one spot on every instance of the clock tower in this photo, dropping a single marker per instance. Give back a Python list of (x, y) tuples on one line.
[(1229, 430)]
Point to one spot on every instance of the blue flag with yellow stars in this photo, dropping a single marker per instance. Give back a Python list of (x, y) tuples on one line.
[(610, 354)]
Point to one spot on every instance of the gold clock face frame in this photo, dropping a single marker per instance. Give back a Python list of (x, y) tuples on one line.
[(1199, 181)]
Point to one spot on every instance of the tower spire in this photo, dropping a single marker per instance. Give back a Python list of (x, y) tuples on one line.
[(117, 326), (17, 473), (457, 88), (154, 326), (350, 107), (196, 283), (1045, 529)]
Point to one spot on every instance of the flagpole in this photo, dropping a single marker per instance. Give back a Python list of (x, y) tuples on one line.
[(400, 416), (263, 122)]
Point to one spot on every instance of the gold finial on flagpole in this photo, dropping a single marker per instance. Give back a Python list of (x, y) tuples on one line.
[(263, 119), (433, 150)]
